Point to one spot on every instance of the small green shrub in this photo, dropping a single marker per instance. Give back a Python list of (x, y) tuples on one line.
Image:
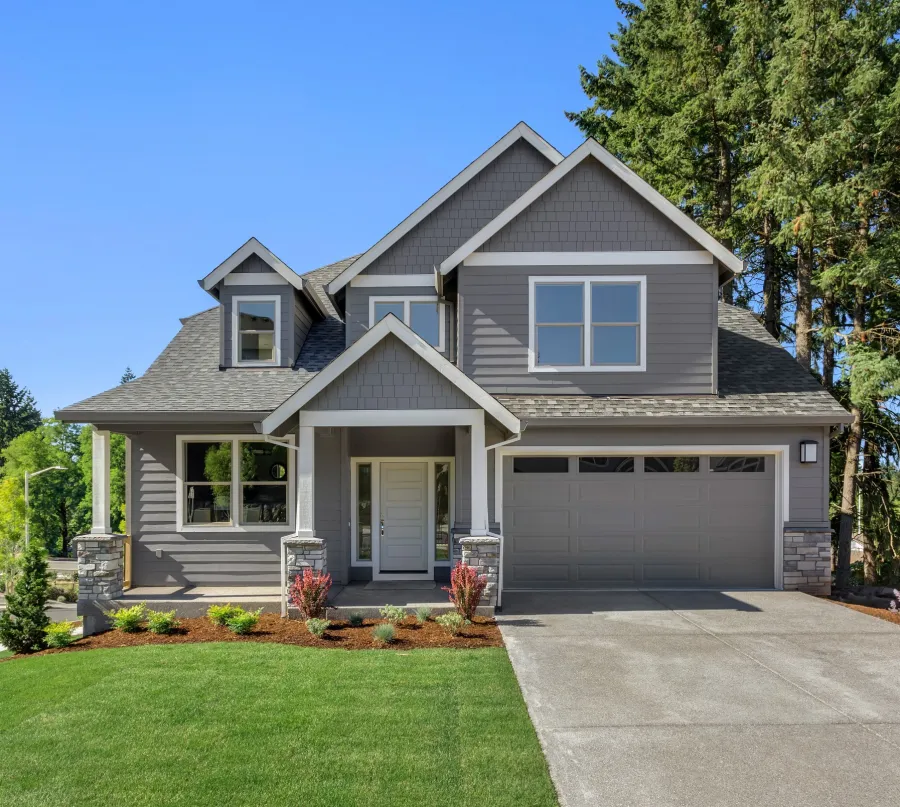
[(355, 619), (244, 622), (383, 633), (64, 593), (59, 634), (317, 627), (128, 620), (393, 613), (423, 614), (23, 621), (452, 622), (221, 614), (161, 621)]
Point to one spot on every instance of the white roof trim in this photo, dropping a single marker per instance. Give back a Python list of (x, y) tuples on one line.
[(390, 325), (591, 148), (252, 247), (521, 131)]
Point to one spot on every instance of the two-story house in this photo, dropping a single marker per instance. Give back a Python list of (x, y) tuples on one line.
[(534, 365)]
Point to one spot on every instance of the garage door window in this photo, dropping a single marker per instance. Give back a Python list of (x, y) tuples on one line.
[(738, 465), (540, 465), (671, 465), (605, 465)]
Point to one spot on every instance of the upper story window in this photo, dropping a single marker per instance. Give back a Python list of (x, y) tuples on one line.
[(256, 328), (424, 315), (587, 324)]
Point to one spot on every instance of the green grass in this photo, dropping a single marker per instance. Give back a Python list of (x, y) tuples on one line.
[(267, 724), (5, 653)]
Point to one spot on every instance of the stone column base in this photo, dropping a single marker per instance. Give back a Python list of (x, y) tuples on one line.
[(101, 576), (807, 561), (483, 553), (301, 553)]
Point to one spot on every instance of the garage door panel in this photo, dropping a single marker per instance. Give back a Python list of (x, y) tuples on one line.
[(537, 521), (545, 573), (673, 573), (613, 492), (618, 518), (673, 542), (668, 492), (550, 492), (605, 573), (550, 545), (606, 543), (673, 517)]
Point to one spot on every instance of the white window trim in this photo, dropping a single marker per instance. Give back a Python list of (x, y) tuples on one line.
[(586, 366), (234, 526), (375, 462), (406, 300), (236, 334)]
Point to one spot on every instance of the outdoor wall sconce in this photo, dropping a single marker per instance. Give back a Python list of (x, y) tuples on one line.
[(809, 451)]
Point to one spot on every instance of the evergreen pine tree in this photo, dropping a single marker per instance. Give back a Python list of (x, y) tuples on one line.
[(23, 622)]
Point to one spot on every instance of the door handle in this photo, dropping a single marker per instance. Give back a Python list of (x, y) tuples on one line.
[(382, 528)]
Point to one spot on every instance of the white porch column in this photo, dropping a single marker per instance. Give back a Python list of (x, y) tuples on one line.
[(305, 482), (100, 522), (479, 477)]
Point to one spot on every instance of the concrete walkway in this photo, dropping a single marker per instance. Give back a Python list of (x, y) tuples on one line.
[(709, 698)]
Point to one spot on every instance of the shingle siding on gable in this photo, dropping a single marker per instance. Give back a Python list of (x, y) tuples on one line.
[(467, 211), (253, 265), (390, 376), (589, 210)]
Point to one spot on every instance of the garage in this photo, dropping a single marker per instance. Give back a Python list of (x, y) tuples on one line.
[(639, 520)]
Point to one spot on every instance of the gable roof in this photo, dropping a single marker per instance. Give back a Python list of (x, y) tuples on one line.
[(591, 148), (521, 131), (254, 247), (391, 325)]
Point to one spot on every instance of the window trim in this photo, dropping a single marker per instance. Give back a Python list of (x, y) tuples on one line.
[(235, 526), (236, 332), (415, 298), (587, 324)]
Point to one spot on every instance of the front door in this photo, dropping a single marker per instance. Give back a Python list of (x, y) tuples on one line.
[(404, 517)]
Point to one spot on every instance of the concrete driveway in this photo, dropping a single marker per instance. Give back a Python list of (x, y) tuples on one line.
[(709, 698)]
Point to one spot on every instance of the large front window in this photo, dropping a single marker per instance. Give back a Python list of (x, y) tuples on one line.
[(587, 324), (256, 330), (234, 482), (424, 315)]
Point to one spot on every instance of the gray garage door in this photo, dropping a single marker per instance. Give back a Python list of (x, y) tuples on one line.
[(610, 522)]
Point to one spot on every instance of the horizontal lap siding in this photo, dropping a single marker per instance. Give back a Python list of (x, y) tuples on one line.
[(680, 322)]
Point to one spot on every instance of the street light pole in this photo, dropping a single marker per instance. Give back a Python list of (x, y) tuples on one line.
[(28, 477)]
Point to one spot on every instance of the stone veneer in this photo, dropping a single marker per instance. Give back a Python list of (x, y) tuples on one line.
[(484, 554), (101, 576), (303, 553), (807, 560)]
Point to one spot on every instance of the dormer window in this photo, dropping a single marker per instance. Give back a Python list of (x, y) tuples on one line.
[(257, 329)]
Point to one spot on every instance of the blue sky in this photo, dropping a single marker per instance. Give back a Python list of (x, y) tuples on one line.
[(141, 144)]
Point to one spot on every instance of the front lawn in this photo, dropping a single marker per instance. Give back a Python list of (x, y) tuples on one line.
[(267, 724)]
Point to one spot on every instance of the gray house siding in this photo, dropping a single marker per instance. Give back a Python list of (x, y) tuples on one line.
[(356, 314), (329, 506), (681, 315), (590, 209), (495, 188), (390, 376), (253, 264), (302, 323)]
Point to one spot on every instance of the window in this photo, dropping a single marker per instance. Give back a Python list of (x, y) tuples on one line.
[(234, 482), (364, 511), (256, 327), (605, 465), (424, 315), (442, 511), (540, 465), (676, 465), (587, 324), (739, 465)]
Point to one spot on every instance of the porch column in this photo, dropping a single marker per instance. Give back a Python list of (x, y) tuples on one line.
[(479, 476), (100, 522), (305, 482)]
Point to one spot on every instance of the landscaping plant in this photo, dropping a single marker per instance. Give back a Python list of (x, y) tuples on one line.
[(59, 634), (355, 619), (244, 622), (308, 593), (317, 627), (894, 606), (466, 588), (452, 622), (220, 614), (423, 614), (161, 622), (128, 620), (393, 613), (383, 633), (24, 621)]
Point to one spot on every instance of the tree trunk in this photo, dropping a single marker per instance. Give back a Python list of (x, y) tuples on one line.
[(828, 311), (803, 315), (870, 467), (771, 281), (723, 191)]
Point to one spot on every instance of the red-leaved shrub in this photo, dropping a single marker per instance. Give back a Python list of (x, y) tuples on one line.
[(308, 593), (466, 588)]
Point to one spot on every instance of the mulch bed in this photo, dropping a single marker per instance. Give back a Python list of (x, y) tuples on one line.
[(880, 613), (483, 632)]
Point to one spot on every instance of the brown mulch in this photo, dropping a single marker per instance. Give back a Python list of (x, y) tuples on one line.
[(880, 613), (483, 632)]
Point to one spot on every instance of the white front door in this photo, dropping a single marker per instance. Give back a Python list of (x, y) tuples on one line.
[(404, 518)]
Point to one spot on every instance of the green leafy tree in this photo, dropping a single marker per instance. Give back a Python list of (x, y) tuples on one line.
[(23, 622), (12, 530), (18, 411)]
